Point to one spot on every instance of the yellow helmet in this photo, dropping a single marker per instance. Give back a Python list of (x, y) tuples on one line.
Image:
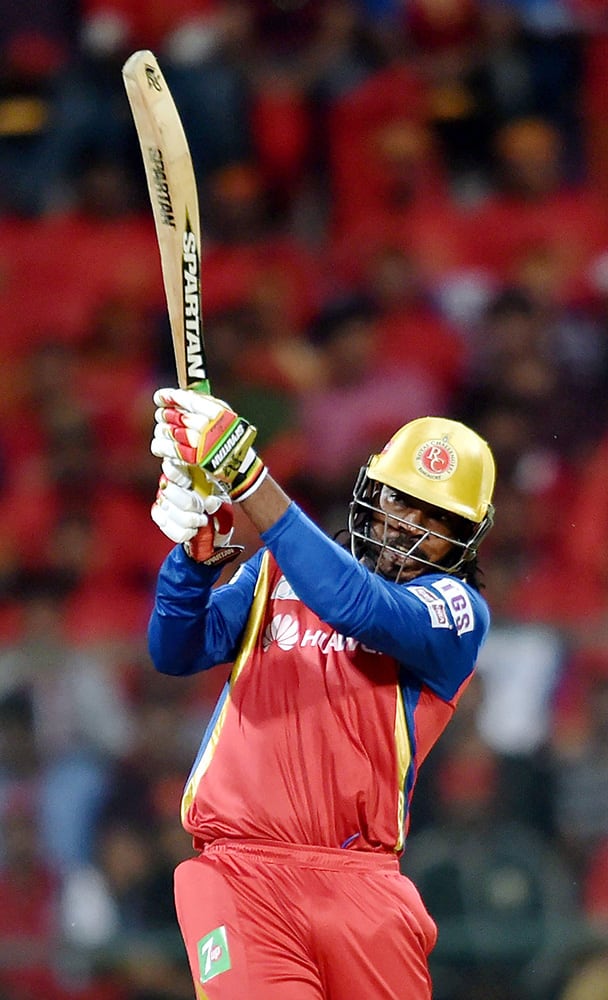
[(440, 461)]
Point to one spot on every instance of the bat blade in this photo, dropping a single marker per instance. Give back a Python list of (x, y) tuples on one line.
[(173, 195)]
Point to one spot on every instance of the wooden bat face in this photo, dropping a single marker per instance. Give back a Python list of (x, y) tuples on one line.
[(173, 195), (174, 199)]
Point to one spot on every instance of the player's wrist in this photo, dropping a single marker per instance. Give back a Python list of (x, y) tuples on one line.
[(249, 478), (214, 556)]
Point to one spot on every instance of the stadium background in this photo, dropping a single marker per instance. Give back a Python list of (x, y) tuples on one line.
[(405, 206)]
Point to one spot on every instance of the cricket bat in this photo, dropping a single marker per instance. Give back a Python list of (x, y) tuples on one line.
[(173, 195), (174, 198)]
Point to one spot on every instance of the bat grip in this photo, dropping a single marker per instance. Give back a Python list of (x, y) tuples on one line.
[(201, 482)]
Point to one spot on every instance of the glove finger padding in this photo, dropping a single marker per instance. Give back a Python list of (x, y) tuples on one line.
[(189, 401), (211, 545), (195, 437), (163, 445), (221, 513), (164, 516), (178, 473), (178, 511), (201, 430), (186, 505), (191, 476), (203, 524), (182, 418)]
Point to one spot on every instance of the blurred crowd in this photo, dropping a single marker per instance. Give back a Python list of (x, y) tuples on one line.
[(405, 211)]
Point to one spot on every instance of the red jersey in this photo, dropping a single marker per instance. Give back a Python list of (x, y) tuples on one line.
[(320, 730)]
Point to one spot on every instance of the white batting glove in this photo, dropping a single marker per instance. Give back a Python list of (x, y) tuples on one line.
[(200, 430), (203, 524)]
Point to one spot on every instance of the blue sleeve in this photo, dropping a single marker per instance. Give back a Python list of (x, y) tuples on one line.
[(389, 617), (193, 626)]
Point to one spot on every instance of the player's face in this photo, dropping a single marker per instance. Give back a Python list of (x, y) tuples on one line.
[(408, 525)]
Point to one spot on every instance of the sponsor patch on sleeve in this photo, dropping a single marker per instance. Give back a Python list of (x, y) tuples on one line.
[(458, 602), (438, 613)]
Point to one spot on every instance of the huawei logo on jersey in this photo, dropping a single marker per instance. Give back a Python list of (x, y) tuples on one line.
[(284, 592), (283, 630)]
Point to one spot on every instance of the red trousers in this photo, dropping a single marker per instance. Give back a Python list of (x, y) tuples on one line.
[(293, 923)]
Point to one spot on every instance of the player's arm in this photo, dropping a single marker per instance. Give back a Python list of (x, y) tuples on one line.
[(194, 626), (392, 618)]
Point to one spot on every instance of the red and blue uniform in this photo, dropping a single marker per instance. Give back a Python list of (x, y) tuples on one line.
[(299, 797)]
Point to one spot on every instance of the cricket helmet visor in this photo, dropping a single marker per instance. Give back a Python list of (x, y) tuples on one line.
[(443, 464)]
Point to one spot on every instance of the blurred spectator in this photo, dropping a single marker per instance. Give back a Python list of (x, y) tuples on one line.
[(536, 209), (117, 910), (80, 719), (147, 779), (521, 73), (400, 194), (437, 174), (212, 82), (527, 390), (117, 914), (595, 887), (32, 57), (74, 488), (408, 320), (520, 666), (503, 899), (342, 54), (581, 764), (124, 895), (144, 25), (250, 255), (445, 42), (33, 959), (358, 402), (19, 753), (87, 117), (294, 88), (381, 125), (534, 362), (28, 908), (31, 62)]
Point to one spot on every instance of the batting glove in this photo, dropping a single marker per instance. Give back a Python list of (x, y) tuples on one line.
[(203, 524), (196, 429)]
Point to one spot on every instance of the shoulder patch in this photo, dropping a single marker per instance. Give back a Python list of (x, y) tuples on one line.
[(459, 603), (438, 613)]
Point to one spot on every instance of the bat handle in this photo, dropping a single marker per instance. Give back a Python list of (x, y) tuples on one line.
[(200, 480), (203, 386)]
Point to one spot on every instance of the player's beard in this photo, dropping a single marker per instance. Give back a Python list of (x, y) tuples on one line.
[(394, 563)]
